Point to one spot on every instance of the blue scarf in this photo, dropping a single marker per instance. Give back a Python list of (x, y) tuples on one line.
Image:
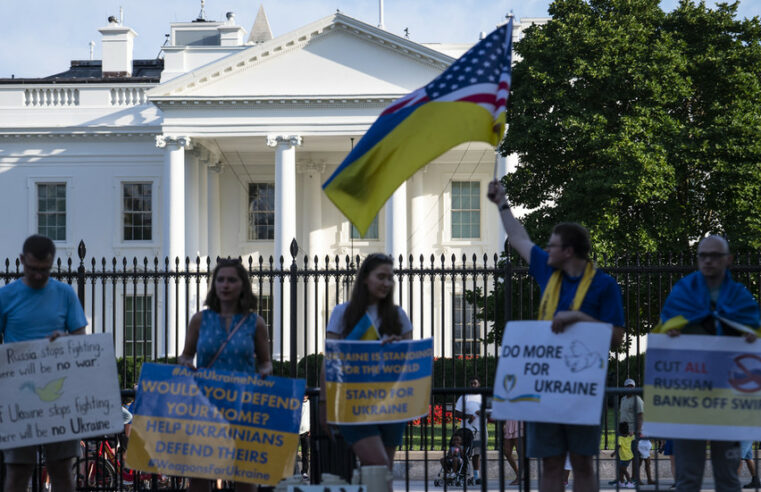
[(690, 302)]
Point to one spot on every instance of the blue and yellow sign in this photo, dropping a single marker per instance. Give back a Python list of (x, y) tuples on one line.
[(215, 424), (705, 386), (370, 382)]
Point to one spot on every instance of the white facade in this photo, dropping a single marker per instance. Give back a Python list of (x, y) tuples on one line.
[(279, 115)]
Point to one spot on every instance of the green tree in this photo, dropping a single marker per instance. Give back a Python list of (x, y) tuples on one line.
[(644, 126)]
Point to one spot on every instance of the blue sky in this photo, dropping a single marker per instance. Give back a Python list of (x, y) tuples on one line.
[(40, 37)]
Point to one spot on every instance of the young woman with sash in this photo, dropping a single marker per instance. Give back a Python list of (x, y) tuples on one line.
[(370, 315), (229, 335)]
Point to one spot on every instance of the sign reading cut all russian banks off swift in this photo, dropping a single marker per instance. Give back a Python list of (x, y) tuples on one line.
[(371, 382), (707, 386), (215, 424)]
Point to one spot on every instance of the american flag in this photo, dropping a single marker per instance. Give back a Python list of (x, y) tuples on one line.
[(480, 76)]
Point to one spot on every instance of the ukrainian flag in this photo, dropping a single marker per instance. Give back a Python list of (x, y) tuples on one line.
[(465, 103)]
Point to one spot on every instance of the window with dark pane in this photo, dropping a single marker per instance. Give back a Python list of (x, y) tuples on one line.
[(261, 211), (372, 231), (137, 211), (51, 210), (466, 331), (138, 326)]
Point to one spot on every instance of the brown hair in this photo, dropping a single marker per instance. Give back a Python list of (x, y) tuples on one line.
[(246, 301), (387, 311), (575, 236)]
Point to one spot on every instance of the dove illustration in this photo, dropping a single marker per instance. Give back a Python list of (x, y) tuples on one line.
[(581, 358), (49, 392)]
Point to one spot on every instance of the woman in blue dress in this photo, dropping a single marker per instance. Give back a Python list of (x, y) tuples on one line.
[(372, 296), (228, 335)]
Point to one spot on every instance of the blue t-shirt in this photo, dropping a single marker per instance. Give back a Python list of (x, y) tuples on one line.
[(29, 314), (603, 299)]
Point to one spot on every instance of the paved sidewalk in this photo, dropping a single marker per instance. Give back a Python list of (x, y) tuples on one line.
[(420, 486)]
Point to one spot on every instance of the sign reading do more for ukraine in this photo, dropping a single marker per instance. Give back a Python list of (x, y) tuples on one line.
[(215, 424), (702, 386), (370, 382)]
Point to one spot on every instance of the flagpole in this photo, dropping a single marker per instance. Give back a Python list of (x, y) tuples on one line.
[(490, 194)]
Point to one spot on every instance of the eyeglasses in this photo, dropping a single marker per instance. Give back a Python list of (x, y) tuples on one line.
[(713, 255)]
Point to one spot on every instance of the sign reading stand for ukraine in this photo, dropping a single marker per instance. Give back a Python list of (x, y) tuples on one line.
[(370, 382), (706, 387), (552, 377), (215, 424)]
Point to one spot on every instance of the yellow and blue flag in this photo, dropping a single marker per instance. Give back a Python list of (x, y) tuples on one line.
[(465, 103)]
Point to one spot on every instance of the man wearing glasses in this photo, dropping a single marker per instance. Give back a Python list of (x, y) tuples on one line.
[(32, 307), (709, 302), (573, 290)]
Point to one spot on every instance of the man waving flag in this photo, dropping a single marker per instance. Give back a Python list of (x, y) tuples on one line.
[(465, 103)]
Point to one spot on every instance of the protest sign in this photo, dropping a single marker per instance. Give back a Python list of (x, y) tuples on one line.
[(699, 386), (215, 424), (58, 391), (552, 377), (371, 382)]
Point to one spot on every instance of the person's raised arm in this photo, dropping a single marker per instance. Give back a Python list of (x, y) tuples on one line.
[(516, 233)]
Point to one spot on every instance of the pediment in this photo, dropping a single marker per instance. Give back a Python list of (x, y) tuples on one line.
[(334, 57)]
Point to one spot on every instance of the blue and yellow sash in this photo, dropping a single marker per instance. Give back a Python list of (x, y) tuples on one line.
[(364, 330), (551, 295)]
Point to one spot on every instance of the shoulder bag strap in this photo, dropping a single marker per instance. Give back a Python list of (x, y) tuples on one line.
[(224, 344)]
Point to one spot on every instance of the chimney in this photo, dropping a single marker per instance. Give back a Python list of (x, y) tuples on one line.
[(117, 49)]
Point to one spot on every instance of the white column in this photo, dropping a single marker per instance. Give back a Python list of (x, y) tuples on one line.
[(285, 232), (203, 208), (214, 170), (173, 196), (173, 233), (419, 244), (192, 216), (501, 171), (312, 211), (396, 224)]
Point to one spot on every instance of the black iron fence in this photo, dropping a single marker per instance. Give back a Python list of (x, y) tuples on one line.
[(462, 302)]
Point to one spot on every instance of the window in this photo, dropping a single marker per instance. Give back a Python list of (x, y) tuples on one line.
[(466, 210), (264, 304), (137, 211), (372, 231), (261, 211), (51, 210), (138, 326), (466, 330)]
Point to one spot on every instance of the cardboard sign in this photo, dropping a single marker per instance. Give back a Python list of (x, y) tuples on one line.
[(58, 391), (552, 377), (215, 424), (372, 382), (702, 386)]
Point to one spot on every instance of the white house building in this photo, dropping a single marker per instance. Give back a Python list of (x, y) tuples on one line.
[(221, 148)]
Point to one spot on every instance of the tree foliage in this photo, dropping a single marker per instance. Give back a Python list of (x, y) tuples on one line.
[(643, 125)]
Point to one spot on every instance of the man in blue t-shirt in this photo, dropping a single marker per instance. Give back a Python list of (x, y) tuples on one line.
[(32, 307), (572, 291)]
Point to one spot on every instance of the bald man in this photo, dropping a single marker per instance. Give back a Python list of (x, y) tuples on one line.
[(709, 302)]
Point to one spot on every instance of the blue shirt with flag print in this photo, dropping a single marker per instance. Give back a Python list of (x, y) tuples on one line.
[(336, 322), (603, 300)]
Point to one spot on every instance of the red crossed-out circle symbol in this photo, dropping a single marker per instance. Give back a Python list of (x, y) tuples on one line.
[(745, 378)]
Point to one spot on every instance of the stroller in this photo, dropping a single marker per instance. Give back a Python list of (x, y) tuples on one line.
[(455, 469)]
